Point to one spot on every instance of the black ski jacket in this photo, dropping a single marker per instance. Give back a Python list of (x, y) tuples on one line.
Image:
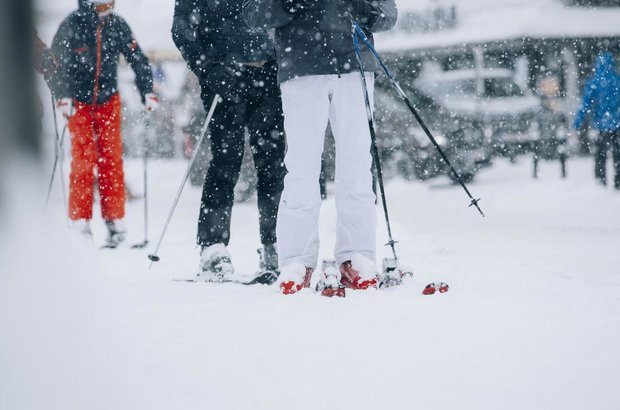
[(88, 50), (313, 37), (212, 33)]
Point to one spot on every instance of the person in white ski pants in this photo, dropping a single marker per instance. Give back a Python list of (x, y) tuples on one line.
[(318, 73), (309, 103)]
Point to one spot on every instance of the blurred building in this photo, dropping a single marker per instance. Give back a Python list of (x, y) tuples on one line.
[(547, 43)]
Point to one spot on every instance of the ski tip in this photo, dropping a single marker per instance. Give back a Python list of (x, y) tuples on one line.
[(153, 258), (431, 288)]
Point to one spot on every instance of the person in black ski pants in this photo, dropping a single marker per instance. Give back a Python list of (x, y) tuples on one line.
[(238, 64)]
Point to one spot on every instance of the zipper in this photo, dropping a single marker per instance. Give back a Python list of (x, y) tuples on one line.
[(98, 66)]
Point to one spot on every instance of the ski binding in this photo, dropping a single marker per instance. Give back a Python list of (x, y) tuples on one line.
[(329, 284)]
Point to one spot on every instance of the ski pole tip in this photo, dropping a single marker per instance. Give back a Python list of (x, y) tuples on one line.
[(474, 202), (153, 258)]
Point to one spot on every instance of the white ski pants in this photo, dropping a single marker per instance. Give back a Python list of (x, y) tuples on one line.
[(309, 103)]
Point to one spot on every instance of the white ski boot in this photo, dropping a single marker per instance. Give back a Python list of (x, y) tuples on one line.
[(329, 283), (390, 275), (216, 265)]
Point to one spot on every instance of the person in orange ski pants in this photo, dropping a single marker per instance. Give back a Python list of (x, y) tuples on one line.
[(89, 43), (96, 140)]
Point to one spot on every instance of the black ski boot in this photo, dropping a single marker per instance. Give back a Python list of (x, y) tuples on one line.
[(268, 268)]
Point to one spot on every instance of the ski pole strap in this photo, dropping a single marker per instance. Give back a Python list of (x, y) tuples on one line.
[(360, 33)]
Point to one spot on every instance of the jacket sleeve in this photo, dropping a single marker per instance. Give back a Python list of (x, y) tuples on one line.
[(62, 82), (375, 15), (265, 14), (39, 48), (586, 105), (186, 36), (136, 59)]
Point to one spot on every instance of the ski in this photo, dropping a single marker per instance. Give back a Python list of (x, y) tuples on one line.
[(260, 278), (264, 278)]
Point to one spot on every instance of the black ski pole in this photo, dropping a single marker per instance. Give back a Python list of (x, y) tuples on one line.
[(145, 145), (373, 140), (360, 33), (154, 257), (58, 152)]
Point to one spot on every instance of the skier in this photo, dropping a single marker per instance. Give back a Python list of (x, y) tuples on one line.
[(238, 64), (88, 45), (601, 101), (320, 83)]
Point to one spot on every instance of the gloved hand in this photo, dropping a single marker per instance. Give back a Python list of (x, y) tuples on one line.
[(364, 11), (65, 107), (292, 6), (221, 79), (151, 101), (48, 63)]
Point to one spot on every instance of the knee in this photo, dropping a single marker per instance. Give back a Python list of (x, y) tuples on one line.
[(224, 174), (271, 177)]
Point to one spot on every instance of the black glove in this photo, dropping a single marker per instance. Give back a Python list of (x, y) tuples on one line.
[(293, 6), (366, 12), (221, 79)]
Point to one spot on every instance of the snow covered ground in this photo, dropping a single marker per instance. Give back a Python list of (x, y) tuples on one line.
[(532, 319)]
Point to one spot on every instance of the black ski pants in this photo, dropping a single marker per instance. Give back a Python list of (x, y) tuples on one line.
[(605, 142), (256, 105)]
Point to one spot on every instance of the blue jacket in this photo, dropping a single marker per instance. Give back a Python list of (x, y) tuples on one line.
[(601, 97)]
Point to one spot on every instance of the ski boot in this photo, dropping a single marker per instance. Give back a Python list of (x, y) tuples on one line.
[(116, 233), (329, 284), (294, 278), (390, 274), (82, 227), (215, 264), (359, 273), (268, 267)]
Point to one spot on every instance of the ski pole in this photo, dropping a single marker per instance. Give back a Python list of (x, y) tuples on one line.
[(145, 145), (58, 152), (360, 33), (154, 257), (373, 140)]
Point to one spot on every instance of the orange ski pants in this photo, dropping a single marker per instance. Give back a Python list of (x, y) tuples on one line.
[(96, 142)]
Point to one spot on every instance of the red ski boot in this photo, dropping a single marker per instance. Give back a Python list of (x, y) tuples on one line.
[(294, 278), (358, 273)]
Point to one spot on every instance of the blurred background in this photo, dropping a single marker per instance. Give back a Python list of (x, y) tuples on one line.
[(493, 79)]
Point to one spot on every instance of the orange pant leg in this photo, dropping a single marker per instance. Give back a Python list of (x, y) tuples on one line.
[(110, 162), (83, 158)]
